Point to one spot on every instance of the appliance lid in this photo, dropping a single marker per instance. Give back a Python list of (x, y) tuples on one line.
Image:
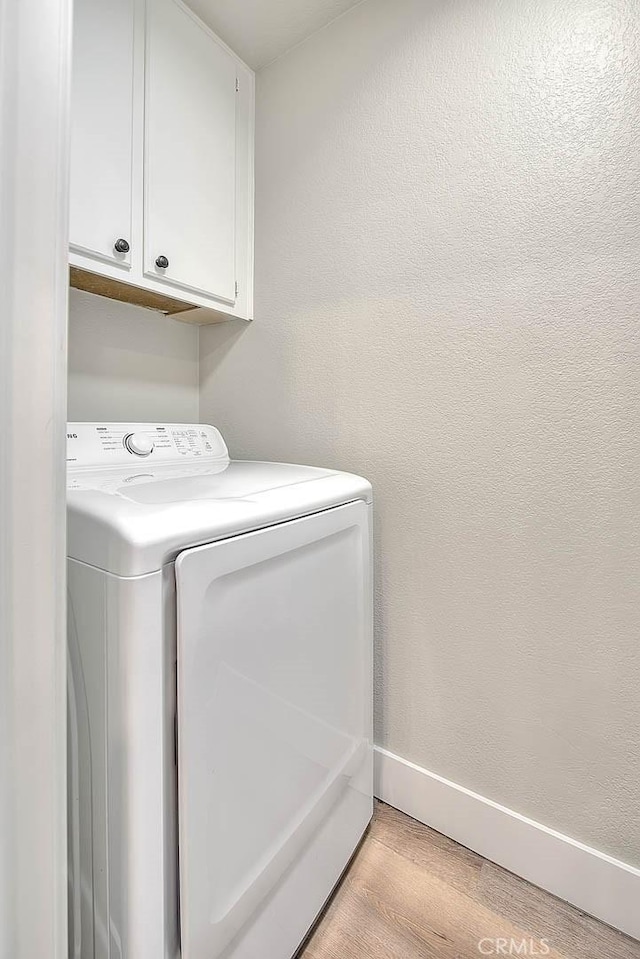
[(137, 494)]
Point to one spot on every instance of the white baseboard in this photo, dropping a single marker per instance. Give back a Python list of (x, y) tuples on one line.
[(594, 882)]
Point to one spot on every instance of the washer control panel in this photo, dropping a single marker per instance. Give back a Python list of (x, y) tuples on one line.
[(101, 445)]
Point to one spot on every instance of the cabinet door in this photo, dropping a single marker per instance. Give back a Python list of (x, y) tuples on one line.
[(190, 153), (101, 128)]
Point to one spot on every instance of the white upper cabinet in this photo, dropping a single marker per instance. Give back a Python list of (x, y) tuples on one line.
[(190, 153), (102, 130), (162, 160)]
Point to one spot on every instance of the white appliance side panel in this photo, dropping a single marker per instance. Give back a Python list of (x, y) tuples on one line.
[(274, 719), (143, 907), (122, 835), (87, 765), (102, 128)]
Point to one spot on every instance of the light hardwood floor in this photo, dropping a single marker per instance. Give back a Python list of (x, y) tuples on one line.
[(410, 893)]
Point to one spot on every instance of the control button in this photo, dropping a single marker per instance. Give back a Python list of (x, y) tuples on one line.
[(138, 443)]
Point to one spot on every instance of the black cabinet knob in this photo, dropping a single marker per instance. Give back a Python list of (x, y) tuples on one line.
[(162, 262), (121, 246)]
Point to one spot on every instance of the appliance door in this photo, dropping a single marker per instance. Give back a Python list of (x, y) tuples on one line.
[(274, 693)]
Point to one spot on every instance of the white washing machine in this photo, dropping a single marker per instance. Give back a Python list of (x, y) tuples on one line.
[(220, 646)]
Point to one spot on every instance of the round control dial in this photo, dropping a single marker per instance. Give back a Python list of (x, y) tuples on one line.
[(138, 443)]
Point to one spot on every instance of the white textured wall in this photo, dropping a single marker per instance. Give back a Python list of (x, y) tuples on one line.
[(126, 363), (448, 301)]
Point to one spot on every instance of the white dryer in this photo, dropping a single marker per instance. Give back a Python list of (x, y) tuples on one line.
[(220, 646)]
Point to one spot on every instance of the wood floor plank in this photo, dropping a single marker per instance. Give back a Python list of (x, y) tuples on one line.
[(410, 893), (575, 934), (434, 852), (363, 930), (443, 920)]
